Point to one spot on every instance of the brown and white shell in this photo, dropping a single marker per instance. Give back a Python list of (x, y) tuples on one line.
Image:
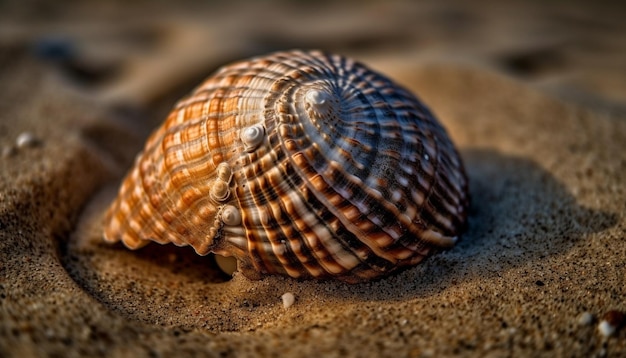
[(303, 164)]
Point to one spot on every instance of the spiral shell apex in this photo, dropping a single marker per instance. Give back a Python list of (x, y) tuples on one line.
[(302, 164)]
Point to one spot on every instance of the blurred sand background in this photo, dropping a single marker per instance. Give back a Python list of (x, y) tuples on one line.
[(532, 92)]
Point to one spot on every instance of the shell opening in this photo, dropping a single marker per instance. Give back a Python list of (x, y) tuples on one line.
[(228, 264), (252, 137), (231, 215)]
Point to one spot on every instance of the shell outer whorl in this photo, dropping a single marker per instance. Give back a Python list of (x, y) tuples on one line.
[(298, 163)]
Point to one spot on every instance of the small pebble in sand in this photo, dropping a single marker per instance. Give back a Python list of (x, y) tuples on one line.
[(585, 319), (606, 329), (288, 299), (25, 140), (611, 322)]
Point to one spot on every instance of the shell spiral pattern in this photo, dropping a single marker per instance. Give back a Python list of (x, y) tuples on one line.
[(303, 164)]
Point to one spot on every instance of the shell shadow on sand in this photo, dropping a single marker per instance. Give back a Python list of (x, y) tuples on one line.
[(519, 214)]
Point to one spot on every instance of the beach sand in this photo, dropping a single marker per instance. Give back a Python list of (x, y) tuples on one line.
[(537, 111)]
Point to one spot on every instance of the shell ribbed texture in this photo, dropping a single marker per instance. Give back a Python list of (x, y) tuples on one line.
[(303, 164)]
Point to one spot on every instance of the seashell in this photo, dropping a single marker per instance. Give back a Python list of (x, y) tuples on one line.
[(302, 164)]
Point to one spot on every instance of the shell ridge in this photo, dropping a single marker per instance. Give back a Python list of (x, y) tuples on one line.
[(174, 171), (307, 256), (133, 235), (296, 166), (305, 175), (319, 154), (374, 116)]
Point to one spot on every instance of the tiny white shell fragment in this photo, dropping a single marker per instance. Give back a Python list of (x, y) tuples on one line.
[(288, 299), (611, 322), (585, 319), (606, 329), (25, 140)]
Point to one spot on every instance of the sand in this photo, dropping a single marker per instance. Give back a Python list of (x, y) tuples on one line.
[(539, 119)]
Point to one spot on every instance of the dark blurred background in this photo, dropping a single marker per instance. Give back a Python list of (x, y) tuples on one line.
[(137, 52)]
